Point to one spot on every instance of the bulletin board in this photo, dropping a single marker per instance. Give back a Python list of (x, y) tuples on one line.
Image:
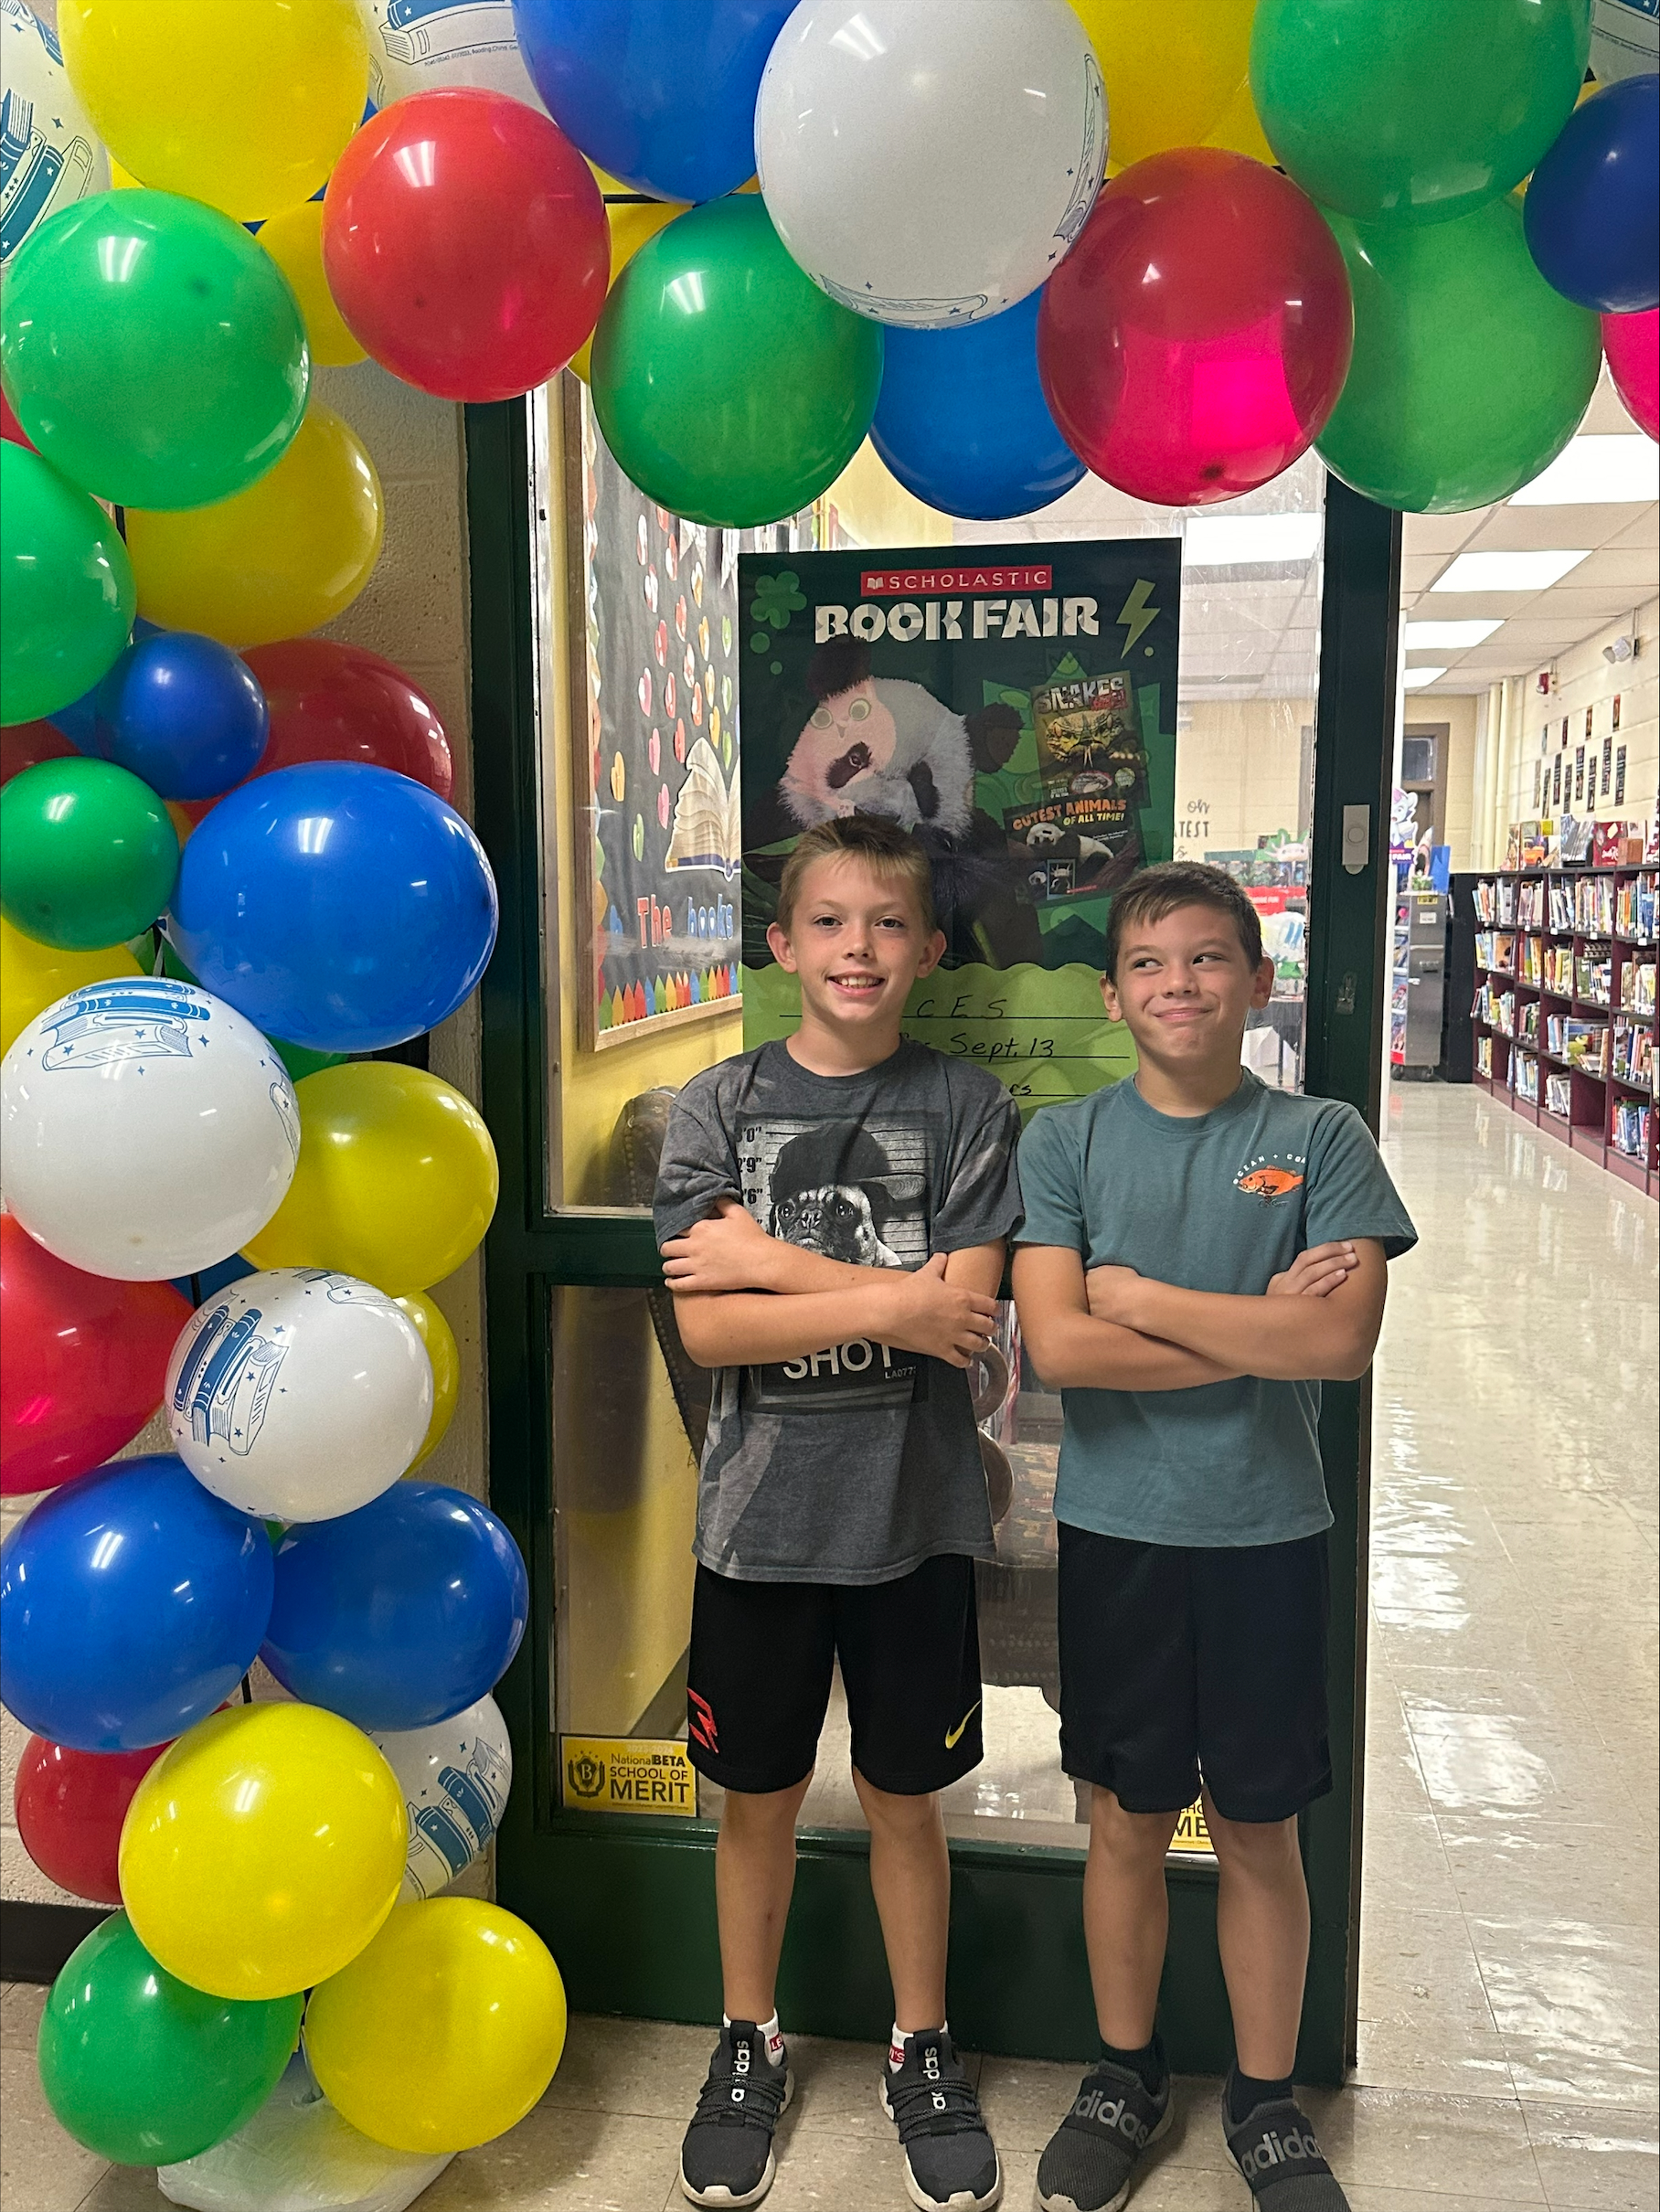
[(653, 668)]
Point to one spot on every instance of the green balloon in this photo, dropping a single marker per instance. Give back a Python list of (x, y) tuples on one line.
[(1417, 110), (87, 854), (66, 586), (153, 350), (730, 388), (299, 1059), (1470, 374), (145, 2070)]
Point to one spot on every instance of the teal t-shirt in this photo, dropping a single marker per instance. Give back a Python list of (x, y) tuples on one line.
[(1221, 1201)]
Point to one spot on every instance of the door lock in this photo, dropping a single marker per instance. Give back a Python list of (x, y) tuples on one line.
[(1356, 838)]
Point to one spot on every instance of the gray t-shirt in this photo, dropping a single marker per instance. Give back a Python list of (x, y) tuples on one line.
[(857, 1464), (1218, 1202)]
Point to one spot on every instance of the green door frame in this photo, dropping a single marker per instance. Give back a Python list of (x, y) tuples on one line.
[(628, 1908)]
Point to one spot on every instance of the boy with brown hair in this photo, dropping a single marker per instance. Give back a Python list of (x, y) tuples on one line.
[(832, 1213), (1198, 1252)]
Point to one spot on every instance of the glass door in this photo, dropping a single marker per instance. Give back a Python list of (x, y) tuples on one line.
[(1284, 726)]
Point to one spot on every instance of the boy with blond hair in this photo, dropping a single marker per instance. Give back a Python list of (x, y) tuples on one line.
[(832, 1212)]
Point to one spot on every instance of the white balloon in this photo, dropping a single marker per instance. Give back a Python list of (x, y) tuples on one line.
[(298, 1394), (928, 162), (455, 1778), (147, 1130), (49, 153), (418, 46)]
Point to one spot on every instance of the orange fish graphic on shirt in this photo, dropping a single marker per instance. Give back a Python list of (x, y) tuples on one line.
[(1267, 1183)]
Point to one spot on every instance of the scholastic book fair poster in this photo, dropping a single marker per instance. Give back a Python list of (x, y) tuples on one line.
[(1013, 706)]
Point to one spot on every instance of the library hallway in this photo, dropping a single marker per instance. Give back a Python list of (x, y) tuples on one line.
[(1508, 2030)]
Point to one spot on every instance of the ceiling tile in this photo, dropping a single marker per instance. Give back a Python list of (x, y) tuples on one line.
[(1445, 533), (1633, 569), (1525, 529)]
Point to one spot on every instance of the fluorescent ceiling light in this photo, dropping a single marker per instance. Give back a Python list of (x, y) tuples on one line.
[(1622, 470), (1415, 680), (1238, 541), (1456, 637), (1508, 571)]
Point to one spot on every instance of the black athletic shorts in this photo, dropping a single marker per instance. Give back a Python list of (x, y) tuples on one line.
[(1178, 1663), (758, 1684)]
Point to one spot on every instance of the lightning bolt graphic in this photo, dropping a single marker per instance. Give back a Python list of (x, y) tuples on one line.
[(1136, 614)]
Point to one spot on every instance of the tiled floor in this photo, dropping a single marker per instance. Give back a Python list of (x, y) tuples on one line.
[(1508, 2038)]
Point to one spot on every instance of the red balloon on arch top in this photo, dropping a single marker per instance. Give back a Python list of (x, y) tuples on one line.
[(464, 240), (1194, 341)]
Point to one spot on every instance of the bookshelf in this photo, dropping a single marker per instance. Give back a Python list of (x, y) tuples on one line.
[(1564, 1021)]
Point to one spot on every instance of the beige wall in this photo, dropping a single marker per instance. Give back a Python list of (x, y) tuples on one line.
[(1237, 764), (414, 611)]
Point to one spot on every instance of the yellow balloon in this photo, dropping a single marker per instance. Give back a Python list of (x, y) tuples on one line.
[(281, 557), (397, 1179), (1170, 76), (34, 976), (247, 104), (443, 1352), (263, 1851), (1239, 132), (631, 223), (444, 2031), (294, 241), (123, 180)]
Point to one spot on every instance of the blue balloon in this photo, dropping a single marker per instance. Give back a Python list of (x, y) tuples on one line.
[(660, 93), (401, 1613), (963, 421), (184, 713), (1592, 211), (131, 1603), (337, 906)]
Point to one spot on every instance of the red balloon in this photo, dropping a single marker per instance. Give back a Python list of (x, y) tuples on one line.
[(1194, 340), (82, 1362), (465, 242), (71, 1805), (1633, 345), (23, 743), (332, 702), (11, 427)]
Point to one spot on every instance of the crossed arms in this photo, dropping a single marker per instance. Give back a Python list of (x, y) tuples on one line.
[(1112, 1329), (742, 1297)]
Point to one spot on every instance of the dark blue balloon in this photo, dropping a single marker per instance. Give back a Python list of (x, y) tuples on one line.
[(1593, 209), (184, 713), (660, 93), (401, 1613), (963, 421), (131, 1603), (337, 906)]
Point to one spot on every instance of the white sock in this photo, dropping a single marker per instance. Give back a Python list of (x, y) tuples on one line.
[(769, 2034), (896, 2042)]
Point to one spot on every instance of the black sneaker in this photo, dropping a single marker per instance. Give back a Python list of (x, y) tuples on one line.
[(727, 2156), (1276, 2150), (950, 2159), (1092, 2157)]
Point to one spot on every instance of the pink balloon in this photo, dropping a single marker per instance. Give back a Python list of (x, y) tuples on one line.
[(1633, 345), (1194, 340)]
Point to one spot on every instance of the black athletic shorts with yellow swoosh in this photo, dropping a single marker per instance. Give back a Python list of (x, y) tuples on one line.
[(758, 1682)]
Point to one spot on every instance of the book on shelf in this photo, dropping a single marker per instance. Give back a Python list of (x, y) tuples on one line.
[(1513, 846), (1593, 979), (1573, 844), (1533, 844), (1484, 1057), (1525, 1077), (1631, 1127), (1633, 1055), (1559, 1094)]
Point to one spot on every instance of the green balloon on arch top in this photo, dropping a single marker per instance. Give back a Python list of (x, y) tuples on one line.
[(153, 350), (1415, 110), (1469, 374), (730, 388)]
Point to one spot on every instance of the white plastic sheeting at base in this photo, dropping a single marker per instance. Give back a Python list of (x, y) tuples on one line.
[(297, 2154)]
